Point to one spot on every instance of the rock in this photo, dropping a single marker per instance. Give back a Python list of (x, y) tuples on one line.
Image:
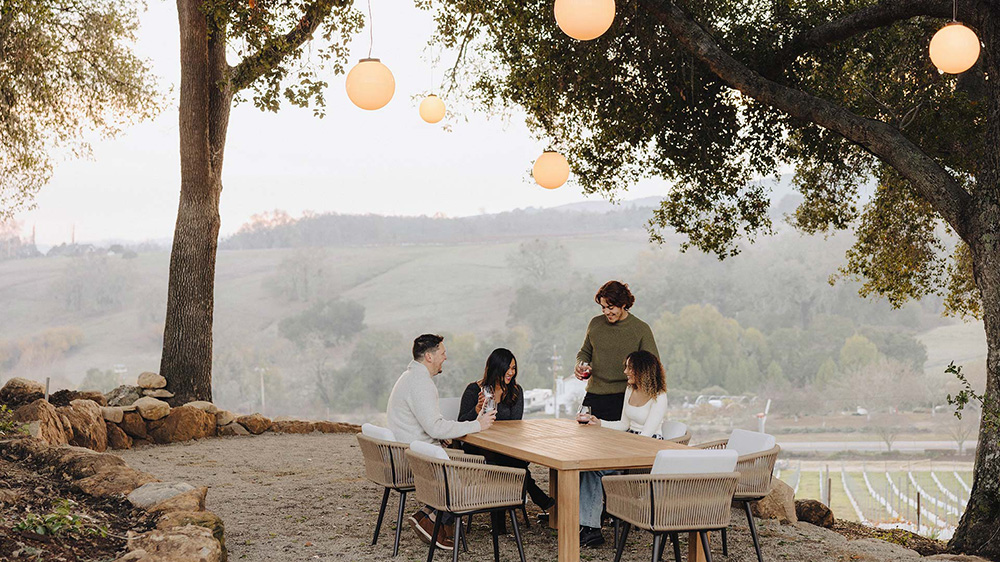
[(118, 481), (113, 414), (224, 417), (65, 397), (182, 424), (190, 543), (133, 425), (255, 423), (148, 495), (337, 427), (812, 511), (203, 406), (18, 391), (151, 380), (50, 426), (74, 462), (124, 395), (192, 500), (117, 439), (232, 430), (205, 519), (158, 393), (151, 408), (87, 421), (778, 504), (293, 426)]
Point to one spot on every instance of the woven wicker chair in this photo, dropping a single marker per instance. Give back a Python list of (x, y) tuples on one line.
[(688, 491), (463, 489), (676, 432), (758, 454), (386, 465)]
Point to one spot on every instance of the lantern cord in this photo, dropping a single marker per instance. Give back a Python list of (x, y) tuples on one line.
[(371, 24), (954, 11)]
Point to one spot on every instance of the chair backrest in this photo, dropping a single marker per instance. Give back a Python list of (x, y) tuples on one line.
[(377, 432), (429, 450), (449, 407), (694, 461), (748, 442), (673, 429)]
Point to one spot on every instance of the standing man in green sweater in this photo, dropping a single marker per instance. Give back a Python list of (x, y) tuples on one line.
[(610, 338)]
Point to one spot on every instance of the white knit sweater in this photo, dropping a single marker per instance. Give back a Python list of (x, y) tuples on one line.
[(413, 412)]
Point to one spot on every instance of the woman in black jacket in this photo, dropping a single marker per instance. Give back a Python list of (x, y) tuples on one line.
[(501, 375)]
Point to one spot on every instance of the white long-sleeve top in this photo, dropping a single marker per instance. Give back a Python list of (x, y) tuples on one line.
[(645, 420), (414, 414)]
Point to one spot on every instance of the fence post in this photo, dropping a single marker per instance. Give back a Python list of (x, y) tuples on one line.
[(918, 513)]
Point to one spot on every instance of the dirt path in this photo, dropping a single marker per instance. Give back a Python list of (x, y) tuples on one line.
[(304, 497)]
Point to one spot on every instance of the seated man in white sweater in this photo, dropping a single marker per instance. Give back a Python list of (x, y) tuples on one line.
[(414, 415)]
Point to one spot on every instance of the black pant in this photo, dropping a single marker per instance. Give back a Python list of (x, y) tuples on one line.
[(538, 495), (607, 407)]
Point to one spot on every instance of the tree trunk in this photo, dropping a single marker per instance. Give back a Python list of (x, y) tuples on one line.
[(205, 100)]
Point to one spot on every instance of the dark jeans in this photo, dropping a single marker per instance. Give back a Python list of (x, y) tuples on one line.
[(607, 407)]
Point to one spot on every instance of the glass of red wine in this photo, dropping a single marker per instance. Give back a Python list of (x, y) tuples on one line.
[(585, 369), (583, 416)]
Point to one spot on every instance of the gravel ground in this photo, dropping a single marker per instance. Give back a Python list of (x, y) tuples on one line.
[(304, 497)]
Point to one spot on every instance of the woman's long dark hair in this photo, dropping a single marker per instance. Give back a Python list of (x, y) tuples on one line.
[(496, 367)]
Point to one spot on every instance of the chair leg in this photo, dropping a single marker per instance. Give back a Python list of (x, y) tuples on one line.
[(381, 514), (524, 511), (437, 529), (618, 528), (725, 543), (705, 545), (458, 535), (399, 522), (663, 544), (753, 531), (677, 546), (621, 542), (465, 544), (657, 546), (468, 523), (517, 535), (496, 538)]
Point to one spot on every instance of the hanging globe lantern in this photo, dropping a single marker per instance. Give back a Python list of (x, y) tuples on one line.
[(954, 48), (370, 84), (584, 19), (432, 109), (551, 170)]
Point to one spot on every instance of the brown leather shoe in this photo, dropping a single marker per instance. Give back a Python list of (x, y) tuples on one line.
[(422, 525), (445, 538)]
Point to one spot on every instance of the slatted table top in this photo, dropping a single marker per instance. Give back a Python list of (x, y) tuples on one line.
[(566, 445)]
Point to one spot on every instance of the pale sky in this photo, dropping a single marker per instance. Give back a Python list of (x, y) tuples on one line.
[(353, 161)]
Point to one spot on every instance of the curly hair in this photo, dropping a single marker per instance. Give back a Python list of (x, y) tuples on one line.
[(615, 293), (650, 377)]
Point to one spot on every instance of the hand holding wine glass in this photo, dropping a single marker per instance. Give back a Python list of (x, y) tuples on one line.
[(583, 417), (582, 370)]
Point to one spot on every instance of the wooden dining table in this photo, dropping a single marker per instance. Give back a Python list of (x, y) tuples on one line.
[(568, 448)]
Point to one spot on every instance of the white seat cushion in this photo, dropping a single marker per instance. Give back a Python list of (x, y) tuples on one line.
[(377, 432), (694, 461), (428, 450), (450, 407), (673, 429), (748, 442)]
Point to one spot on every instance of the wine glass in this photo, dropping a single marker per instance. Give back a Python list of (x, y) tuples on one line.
[(585, 369), (584, 411), (489, 403)]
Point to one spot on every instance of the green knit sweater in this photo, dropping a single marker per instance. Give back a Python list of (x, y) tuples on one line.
[(606, 347)]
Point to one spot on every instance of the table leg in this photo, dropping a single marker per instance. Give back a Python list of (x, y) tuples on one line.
[(569, 515), (554, 494), (695, 552)]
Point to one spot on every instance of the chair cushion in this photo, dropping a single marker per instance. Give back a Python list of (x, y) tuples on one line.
[(377, 432), (694, 461), (672, 429), (748, 442), (428, 450)]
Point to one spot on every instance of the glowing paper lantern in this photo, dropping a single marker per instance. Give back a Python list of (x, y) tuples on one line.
[(584, 19), (551, 170), (370, 84), (954, 48), (432, 109)]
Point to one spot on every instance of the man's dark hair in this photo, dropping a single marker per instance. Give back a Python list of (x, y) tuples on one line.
[(615, 293), (425, 343)]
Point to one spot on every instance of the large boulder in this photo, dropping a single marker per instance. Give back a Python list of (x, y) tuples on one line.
[(812, 511), (778, 504), (182, 424), (117, 438), (133, 425), (87, 421), (337, 427), (152, 381), (293, 426), (124, 395), (224, 417), (18, 391), (116, 481), (148, 495), (113, 414), (151, 408), (65, 397), (45, 422), (176, 544), (231, 430), (204, 406), (254, 423)]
